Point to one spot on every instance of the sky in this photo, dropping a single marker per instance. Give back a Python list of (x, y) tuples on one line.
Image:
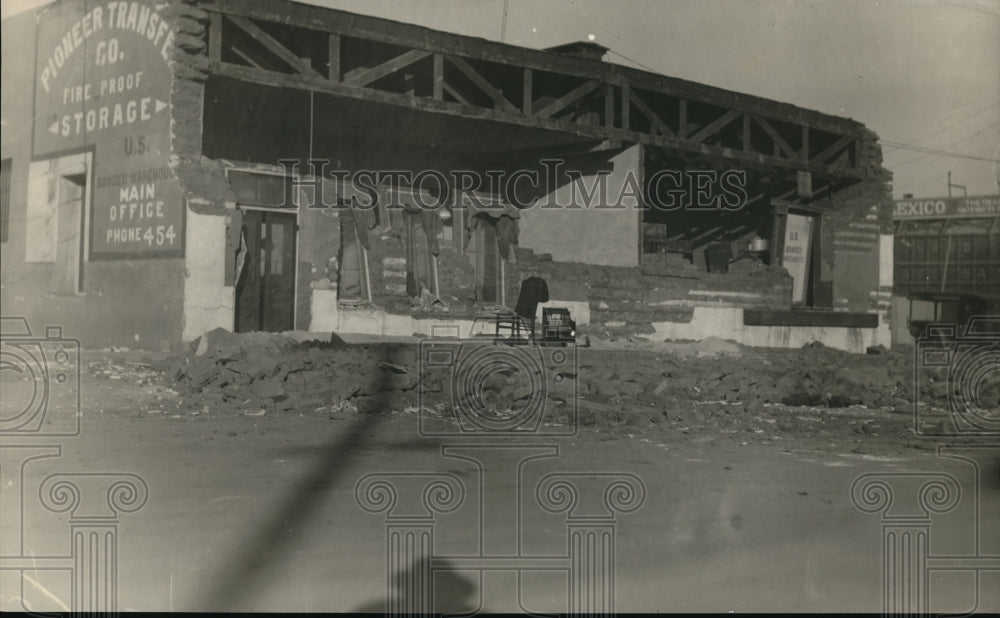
[(923, 74)]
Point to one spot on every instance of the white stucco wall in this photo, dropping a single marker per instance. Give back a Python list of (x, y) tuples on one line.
[(588, 232), (886, 265), (328, 317), (208, 302), (727, 323)]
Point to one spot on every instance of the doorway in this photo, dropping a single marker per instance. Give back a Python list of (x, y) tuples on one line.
[(487, 262), (265, 288), (67, 271)]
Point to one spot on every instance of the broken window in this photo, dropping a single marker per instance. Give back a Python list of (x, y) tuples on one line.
[(419, 229), (955, 256), (447, 225), (352, 279), (487, 261), (421, 269)]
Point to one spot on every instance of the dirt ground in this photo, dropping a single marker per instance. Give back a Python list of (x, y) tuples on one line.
[(744, 461)]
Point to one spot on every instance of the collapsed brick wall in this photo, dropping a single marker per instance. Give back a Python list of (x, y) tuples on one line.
[(857, 217), (318, 251), (623, 300), (626, 302), (388, 267), (319, 261), (457, 278), (203, 180), (387, 271)]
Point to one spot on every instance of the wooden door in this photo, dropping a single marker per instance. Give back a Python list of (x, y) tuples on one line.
[(265, 290)]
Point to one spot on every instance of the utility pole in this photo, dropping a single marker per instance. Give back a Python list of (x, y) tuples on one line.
[(503, 23), (950, 185)]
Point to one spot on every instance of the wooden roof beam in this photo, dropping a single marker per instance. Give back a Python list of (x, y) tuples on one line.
[(833, 149), (481, 83), (569, 98), (427, 104), (715, 126), (454, 93), (369, 75), (778, 140), (654, 119), (299, 64), (410, 35), (246, 57), (551, 151)]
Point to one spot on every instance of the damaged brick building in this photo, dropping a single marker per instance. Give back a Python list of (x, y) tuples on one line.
[(174, 167)]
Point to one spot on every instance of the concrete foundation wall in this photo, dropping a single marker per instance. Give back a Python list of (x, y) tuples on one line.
[(727, 323), (329, 317), (899, 321), (883, 296), (721, 322)]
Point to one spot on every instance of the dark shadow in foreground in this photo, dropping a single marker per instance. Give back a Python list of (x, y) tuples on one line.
[(453, 593), (229, 588)]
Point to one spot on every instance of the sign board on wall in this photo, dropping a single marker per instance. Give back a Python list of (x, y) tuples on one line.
[(795, 257), (102, 83), (947, 207)]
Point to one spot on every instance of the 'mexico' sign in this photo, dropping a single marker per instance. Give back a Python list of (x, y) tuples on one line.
[(102, 84), (947, 207)]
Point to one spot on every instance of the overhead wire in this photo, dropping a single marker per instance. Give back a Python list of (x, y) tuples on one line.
[(968, 7), (911, 146), (635, 62), (941, 151), (950, 126)]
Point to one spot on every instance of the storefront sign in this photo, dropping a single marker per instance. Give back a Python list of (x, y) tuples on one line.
[(947, 208), (102, 84), (795, 258)]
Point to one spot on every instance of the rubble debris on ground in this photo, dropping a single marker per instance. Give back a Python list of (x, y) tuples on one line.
[(263, 371), (137, 373), (709, 386)]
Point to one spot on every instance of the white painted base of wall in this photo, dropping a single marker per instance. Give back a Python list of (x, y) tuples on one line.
[(324, 311), (329, 316), (727, 323), (900, 317), (208, 303)]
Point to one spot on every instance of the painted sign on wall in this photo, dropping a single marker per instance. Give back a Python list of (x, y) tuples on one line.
[(947, 207), (102, 83), (795, 258)]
